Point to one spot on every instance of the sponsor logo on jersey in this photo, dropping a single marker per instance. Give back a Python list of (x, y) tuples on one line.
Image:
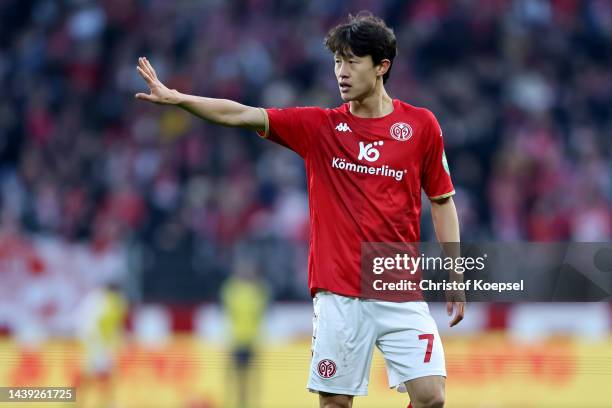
[(343, 127), (326, 368), (401, 131), (368, 151)]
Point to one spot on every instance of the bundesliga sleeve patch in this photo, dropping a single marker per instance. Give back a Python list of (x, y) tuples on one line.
[(445, 163)]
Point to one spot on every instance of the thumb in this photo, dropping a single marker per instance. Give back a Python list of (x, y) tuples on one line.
[(449, 308), (144, 97)]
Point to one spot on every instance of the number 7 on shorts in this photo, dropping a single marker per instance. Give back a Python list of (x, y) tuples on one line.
[(430, 340)]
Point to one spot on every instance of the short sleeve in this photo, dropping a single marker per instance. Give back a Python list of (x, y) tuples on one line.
[(436, 178), (293, 128)]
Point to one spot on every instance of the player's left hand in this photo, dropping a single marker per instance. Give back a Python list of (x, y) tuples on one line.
[(458, 306)]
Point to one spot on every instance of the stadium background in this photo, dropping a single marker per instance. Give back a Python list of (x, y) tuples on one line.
[(97, 187)]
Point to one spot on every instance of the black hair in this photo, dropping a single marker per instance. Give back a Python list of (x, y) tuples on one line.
[(363, 34)]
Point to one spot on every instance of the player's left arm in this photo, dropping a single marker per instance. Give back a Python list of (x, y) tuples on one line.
[(446, 225)]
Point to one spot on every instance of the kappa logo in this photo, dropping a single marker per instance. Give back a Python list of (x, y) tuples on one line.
[(326, 368), (343, 127), (401, 131), (368, 151)]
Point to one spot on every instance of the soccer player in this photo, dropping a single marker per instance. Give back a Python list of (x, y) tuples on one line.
[(366, 163), (101, 319), (244, 299)]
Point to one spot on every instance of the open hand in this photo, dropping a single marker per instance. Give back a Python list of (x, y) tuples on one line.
[(160, 94)]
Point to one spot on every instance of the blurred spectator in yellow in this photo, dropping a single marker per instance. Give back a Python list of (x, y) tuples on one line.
[(244, 298), (101, 326)]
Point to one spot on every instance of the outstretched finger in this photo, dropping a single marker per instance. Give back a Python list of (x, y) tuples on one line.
[(144, 75), (150, 67), (143, 65)]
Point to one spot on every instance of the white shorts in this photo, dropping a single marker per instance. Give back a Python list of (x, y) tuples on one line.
[(345, 329)]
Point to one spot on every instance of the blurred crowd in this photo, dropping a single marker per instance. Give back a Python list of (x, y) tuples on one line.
[(522, 89)]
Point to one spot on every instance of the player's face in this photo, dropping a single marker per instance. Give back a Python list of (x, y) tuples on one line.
[(356, 76)]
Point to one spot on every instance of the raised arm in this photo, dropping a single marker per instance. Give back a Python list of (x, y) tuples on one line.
[(219, 111)]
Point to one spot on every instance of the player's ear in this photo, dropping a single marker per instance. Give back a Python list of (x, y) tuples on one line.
[(383, 67)]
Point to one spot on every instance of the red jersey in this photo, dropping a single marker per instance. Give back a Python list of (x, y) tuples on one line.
[(364, 178)]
